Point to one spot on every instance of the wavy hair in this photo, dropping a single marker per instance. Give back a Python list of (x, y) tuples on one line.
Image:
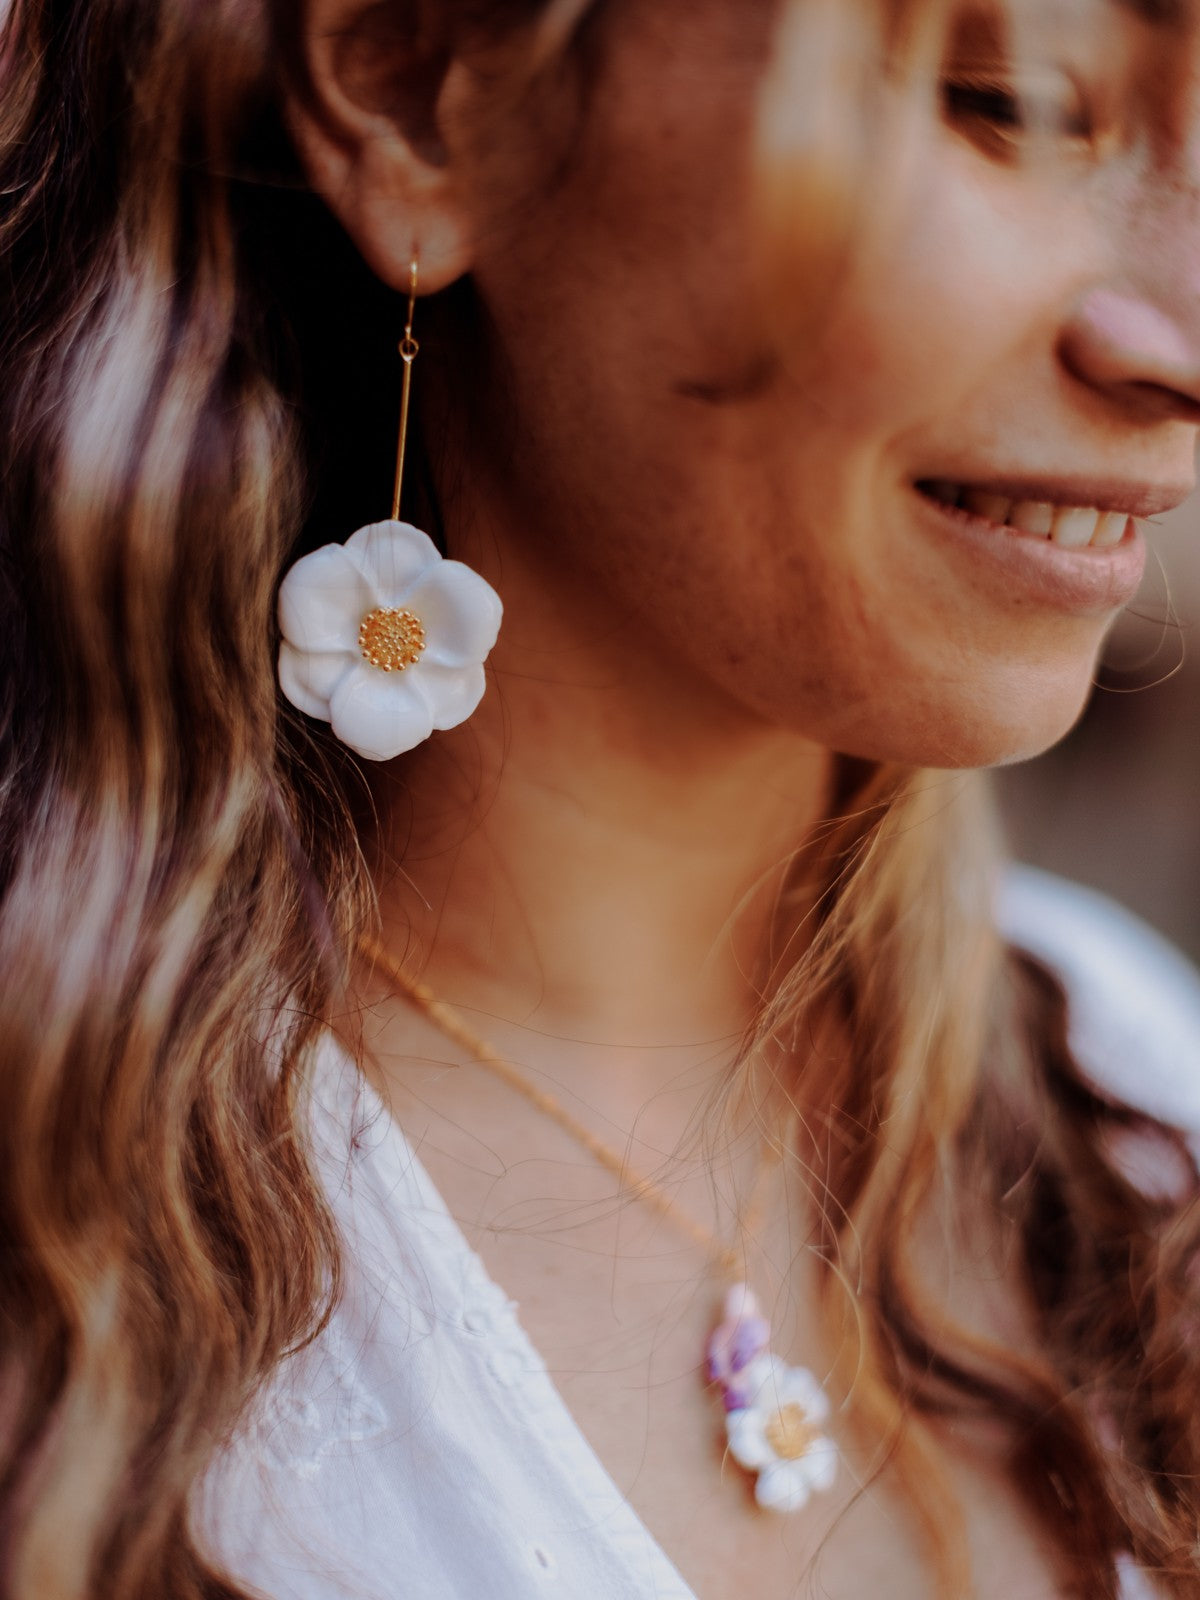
[(182, 885)]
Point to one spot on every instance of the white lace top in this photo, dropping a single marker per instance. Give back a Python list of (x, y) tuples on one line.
[(420, 1451)]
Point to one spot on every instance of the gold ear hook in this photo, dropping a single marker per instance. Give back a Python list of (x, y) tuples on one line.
[(409, 349)]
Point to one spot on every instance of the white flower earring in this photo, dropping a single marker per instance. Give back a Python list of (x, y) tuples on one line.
[(382, 637)]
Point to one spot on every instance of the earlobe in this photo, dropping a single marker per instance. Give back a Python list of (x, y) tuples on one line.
[(368, 132)]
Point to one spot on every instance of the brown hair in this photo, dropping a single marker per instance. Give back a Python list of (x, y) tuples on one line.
[(182, 881), (950, 1091)]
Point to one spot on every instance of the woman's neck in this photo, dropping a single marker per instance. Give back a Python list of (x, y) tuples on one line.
[(598, 853)]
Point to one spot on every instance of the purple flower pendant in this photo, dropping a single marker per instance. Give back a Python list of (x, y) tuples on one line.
[(773, 1413)]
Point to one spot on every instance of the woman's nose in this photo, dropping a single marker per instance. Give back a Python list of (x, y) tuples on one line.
[(1142, 353)]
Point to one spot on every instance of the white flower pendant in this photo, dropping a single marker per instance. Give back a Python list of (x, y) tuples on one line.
[(773, 1413), (385, 639)]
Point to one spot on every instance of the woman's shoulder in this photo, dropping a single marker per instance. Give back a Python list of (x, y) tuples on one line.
[(1134, 998)]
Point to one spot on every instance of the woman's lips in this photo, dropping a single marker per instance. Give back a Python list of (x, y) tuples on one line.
[(1072, 527), (1034, 551)]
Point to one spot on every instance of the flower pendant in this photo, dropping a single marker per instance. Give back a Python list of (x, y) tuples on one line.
[(385, 639), (773, 1413)]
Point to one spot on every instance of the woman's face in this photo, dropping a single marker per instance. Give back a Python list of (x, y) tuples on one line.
[(1018, 322)]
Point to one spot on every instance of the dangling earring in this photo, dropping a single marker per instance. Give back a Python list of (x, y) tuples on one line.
[(383, 638)]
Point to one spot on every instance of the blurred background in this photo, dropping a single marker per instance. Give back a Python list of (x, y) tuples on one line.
[(1115, 805)]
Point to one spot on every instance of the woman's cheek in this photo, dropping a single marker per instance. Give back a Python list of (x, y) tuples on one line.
[(948, 291)]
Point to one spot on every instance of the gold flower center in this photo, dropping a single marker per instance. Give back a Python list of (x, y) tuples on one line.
[(790, 1434), (391, 639)]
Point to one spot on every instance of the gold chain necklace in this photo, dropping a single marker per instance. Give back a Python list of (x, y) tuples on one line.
[(774, 1413)]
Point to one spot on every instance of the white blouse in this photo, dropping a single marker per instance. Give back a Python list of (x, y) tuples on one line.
[(419, 1450)]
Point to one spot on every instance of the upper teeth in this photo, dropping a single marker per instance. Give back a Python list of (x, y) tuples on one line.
[(1073, 527)]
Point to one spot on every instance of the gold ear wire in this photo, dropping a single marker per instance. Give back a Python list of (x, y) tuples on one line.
[(409, 349)]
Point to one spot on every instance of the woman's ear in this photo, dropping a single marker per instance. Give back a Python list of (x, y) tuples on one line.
[(373, 124)]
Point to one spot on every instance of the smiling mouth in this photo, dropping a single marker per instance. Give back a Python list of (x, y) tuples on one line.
[(1071, 527)]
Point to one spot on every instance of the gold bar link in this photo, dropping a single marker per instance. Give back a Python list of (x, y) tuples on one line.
[(409, 349)]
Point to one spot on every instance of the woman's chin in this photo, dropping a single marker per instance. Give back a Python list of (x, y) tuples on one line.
[(981, 729)]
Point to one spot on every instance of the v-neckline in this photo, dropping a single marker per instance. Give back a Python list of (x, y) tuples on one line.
[(642, 1552), (555, 1416)]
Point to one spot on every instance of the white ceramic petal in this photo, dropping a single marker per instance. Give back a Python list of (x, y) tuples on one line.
[(800, 1388), (322, 601), (461, 613), (451, 692), (391, 556), (380, 714), (820, 1465), (308, 678), (748, 1440), (764, 1378), (780, 1487)]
